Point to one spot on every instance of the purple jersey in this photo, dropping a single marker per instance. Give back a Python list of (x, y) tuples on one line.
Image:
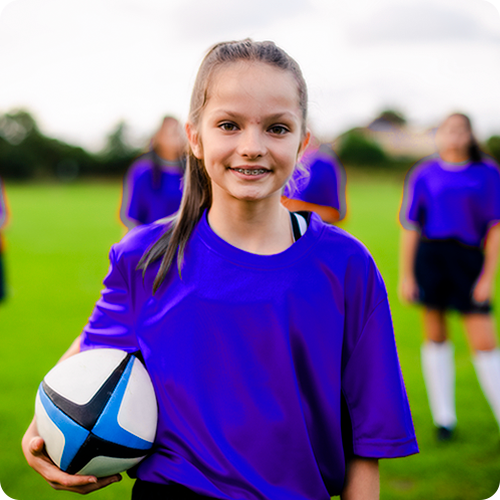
[(254, 356), (452, 201), (325, 184), (146, 199)]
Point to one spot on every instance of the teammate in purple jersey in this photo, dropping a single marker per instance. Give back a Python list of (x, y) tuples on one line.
[(3, 222), (152, 188), (319, 186), (449, 253), (267, 334)]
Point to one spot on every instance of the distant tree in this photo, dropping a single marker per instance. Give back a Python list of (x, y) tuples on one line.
[(393, 116), (356, 149), (387, 120), (493, 145), (25, 152), (117, 154)]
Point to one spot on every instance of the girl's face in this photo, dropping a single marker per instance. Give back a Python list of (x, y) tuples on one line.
[(454, 135), (249, 134)]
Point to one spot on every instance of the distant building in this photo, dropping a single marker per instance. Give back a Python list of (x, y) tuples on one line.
[(401, 140)]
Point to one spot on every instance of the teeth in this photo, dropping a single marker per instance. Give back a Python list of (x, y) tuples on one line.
[(252, 171)]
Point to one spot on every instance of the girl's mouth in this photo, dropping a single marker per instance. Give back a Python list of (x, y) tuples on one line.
[(250, 171)]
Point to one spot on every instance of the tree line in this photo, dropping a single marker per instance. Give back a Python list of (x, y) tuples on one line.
[(26, 153)]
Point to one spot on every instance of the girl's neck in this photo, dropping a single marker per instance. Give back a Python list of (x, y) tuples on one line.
[(454, 156), (261, 227), (168, 154)]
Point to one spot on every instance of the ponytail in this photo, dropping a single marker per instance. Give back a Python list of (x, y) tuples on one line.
[(475, 153), (196, 198)]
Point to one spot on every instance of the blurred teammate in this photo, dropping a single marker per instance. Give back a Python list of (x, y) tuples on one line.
[(152, 188), (449, 252), (319, 186), (3, 221)]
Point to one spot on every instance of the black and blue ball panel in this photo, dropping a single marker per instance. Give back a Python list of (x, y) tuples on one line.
[(97, 412)]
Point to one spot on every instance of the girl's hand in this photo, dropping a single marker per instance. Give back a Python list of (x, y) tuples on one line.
[(483, 290), (408, 289), (37, 458)]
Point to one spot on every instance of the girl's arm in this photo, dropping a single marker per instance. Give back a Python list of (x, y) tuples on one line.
[(362, 480), (408, 288), (36, 456), (327, 213), (483, 289)]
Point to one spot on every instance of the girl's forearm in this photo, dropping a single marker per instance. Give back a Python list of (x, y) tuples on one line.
[(408, 252), (491, 251), (362, 480)]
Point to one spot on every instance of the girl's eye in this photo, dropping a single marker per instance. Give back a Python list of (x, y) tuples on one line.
[(227, 126), (278, 129)]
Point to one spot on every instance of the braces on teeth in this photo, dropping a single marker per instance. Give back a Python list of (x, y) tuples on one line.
[(251, 172)]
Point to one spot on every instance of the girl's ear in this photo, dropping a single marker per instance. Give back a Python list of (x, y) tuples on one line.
[(194, 140), (304, 144)]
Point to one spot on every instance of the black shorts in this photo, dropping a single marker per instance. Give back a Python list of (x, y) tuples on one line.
[(446, 272), (144, 490)]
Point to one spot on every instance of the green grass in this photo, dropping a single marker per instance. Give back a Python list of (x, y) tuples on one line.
[(56, 258)]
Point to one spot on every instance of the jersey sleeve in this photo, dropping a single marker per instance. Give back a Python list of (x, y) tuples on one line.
[(112, 322), (372, 381), (131, 210), (412, 210), (492, 202)]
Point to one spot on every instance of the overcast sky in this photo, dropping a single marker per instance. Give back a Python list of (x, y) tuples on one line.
[(82, 65)]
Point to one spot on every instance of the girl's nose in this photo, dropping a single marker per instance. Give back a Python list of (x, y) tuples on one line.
[(251, 144)]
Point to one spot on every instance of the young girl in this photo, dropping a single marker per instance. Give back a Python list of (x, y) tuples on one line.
[(449, 252), (267, 334), (152, 188)]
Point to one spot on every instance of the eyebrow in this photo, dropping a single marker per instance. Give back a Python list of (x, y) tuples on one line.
[(274, 116)]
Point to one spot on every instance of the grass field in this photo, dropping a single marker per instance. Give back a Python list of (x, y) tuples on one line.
[(56, 257)]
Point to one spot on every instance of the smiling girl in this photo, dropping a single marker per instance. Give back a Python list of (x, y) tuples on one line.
[(267, 334)]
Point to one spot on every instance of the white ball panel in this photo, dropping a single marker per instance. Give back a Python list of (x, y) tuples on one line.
[(107, 466), (138, 411), (79, 377), (53, 437)]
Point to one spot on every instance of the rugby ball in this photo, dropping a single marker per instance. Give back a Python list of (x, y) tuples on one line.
[(97, 412)]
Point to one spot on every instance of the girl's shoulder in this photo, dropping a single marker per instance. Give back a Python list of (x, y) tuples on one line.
[(423, 167), (139, 239), (347, 256), (490, 164), (141, 165), (337, 244)]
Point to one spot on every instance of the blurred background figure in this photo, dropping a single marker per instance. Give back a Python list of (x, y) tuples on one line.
[(449, 253), (152, 187), (318, 184), (3, 221)]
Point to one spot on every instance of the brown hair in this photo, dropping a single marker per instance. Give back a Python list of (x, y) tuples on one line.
[(197, 194)]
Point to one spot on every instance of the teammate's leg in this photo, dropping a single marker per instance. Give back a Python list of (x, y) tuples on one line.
[(481, 333), (439, 372)]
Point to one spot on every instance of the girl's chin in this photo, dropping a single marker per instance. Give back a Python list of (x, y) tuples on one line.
[(255, 197)]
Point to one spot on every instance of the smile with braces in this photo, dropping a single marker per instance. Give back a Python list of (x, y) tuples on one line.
[(255, 171)]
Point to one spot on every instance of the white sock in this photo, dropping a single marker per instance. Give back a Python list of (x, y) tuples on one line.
[(487, 365), (438, 367)]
